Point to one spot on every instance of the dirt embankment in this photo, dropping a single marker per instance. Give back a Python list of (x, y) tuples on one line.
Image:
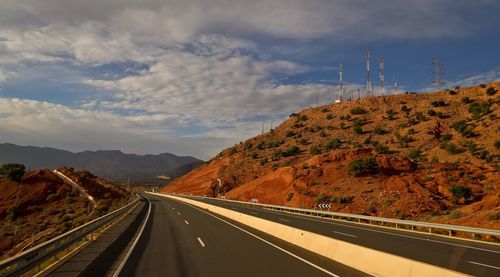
[(41, 203), (435, 157)]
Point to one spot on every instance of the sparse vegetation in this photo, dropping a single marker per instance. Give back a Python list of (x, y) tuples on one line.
[(291, 151), (466, 130), (382, 149), (358, 130), (431, 112), (358, 110), (458, 192), (289, 196), (333, 143), (364, 166), (491, 91), (314, 150), (390, 114), (438, 103), (13, 171), (378, 131), (479, 109), (414, 153)]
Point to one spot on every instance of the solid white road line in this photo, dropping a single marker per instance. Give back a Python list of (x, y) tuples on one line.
[(186, 222), (386, 232), (285, 220), (254, 213), (487, 265), (265, 241), (127, 256), (201, 242), (345, 234), (178, 213)]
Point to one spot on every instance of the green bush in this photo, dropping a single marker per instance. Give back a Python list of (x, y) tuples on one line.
[(497, 144), (441, 115), (419, 116), (358, 110), (463, 128), (364, 166), (13, 171), (471, 146), (378, 131), (263, 161), (452, 92), (303, 117), (254, 155), (491, 91), (329, 116), (382, 149), (322, 198), (51, 197), (438, 103), (322, 133), (390, 114), (450, 148), (289, 133), (494, 216), (479, 109), (314, 150), (456, 214), (358, 130), (467, 100), (482, 85), (333, 143), (431, 112), (291, 151), (289, 196), (446, 137), (459, 191), (414, 153), (324, 110)]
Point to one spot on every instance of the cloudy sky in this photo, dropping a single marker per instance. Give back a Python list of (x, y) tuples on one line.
[(192, 77)]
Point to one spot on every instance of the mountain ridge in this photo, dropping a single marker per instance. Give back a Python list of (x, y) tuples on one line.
[(113, 165)]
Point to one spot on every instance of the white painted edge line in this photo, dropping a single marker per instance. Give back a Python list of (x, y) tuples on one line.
[(178, 213), (265, 241), (394, 234), (350, 225), (201, 242), (127, 256), (285, 220), (345, 234), (487, 265), (186, 222)]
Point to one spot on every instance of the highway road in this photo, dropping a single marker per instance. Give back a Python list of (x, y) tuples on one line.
[(475, 258), (183, 240)]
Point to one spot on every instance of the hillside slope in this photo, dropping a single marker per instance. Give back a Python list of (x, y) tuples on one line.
[(41, 204), (428, 156), (113, 165)]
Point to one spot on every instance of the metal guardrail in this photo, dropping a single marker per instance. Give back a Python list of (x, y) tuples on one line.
[(368, 219), (34, 257)]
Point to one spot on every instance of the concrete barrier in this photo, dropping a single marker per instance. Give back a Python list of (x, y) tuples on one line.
[(365, 259)]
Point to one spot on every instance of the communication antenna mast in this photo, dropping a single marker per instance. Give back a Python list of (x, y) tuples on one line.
[(381, 74), (368, 81), (437, 72), (341, 84), (394, 84), (359, 93)]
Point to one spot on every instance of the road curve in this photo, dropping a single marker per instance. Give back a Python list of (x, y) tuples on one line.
[(182, 240)]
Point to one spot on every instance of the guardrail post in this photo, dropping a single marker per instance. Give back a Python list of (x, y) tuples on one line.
[(430, 230), (449, 232)]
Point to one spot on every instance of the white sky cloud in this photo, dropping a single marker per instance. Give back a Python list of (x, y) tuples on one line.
[(201, 79)]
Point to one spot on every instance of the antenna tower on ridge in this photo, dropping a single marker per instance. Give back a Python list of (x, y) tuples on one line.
[(437, 73), (368, 81), (381, 74), (341, 84)]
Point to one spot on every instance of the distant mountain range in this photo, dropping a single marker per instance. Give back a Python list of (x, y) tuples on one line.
[(112, 165)]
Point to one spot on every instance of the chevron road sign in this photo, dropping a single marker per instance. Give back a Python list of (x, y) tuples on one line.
[(325, 206)]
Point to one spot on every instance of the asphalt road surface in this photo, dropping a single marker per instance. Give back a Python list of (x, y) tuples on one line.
[(475, 258), (182, 240)]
